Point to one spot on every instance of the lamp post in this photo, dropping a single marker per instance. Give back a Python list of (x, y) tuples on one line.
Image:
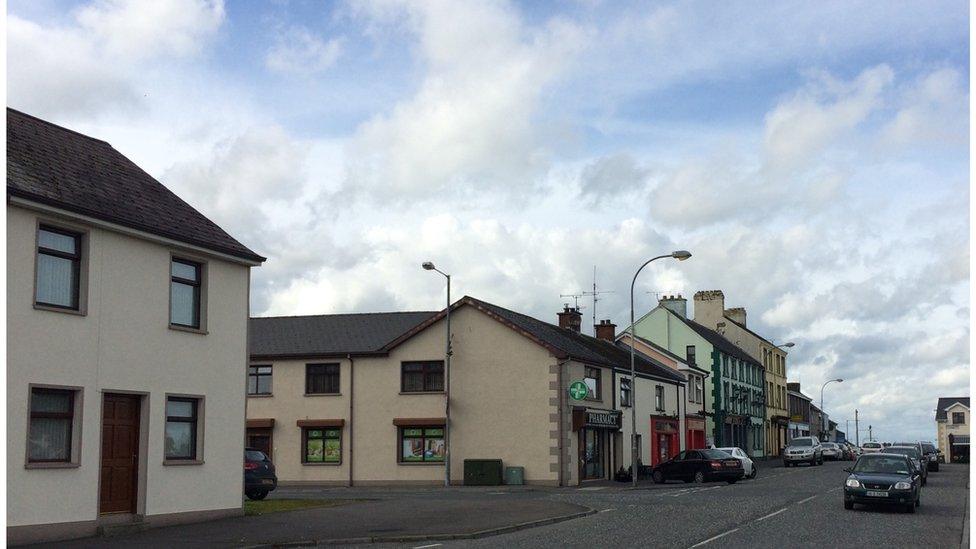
[(838, 380), (680, 255), (427, 265)]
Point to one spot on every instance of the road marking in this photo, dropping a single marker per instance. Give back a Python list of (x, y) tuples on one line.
[(773, 514), (709, 540), (426, 546), (605, 510), (592, 488), (805, 500)]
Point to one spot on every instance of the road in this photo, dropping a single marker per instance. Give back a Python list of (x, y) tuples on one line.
[(796, 507)]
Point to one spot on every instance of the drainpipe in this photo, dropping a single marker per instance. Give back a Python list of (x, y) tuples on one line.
[(352, 393), (561, 389), (682, 443)]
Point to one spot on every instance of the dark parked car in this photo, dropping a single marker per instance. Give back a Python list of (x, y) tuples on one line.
[(259, 474), (931, 456), (917, 459), (699, 466), (889, 479)]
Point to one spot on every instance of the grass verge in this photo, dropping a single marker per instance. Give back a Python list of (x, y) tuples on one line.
[(253, 508)]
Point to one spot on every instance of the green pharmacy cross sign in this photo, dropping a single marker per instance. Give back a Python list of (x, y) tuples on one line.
[(578, 390)]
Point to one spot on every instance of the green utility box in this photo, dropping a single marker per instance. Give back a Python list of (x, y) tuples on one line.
[(482, 472), (515, 476)]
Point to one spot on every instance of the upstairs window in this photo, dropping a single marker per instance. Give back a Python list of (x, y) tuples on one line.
[(625, 392), (659, 398), (259, 380), (321, 379), (591, 377), (184, 301), (690, 354), (58, 268), (699, 390), (422, 377), (958, 418)]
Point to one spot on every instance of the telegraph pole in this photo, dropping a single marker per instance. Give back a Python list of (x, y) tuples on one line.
[(857, 431), (870, 434)]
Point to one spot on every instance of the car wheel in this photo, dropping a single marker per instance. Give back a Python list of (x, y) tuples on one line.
[(658, 477), (848, 505), (257, 495), (732, 481), (699, 477), (918, 501), (786, 464), (755, 471)]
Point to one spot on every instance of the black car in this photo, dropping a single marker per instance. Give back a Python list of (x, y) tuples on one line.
[(699, 466), (887, 479), (259, 474), (931, 456), (917, 459)]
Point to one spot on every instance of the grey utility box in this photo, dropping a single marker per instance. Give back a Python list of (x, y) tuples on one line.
[(515, 476)]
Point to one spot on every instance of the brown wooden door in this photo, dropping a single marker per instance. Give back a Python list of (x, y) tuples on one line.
[(260, 439), (120, 453)]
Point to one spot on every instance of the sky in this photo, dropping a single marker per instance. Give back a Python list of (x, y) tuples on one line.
[(813, 157)]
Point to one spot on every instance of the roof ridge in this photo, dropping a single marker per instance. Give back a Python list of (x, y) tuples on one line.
[(58, 126), (342, 314)]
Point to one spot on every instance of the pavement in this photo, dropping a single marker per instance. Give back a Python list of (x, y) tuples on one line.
[(794, 507)]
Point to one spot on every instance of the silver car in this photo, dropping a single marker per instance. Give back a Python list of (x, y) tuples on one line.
[(803, 450), (831, 450)]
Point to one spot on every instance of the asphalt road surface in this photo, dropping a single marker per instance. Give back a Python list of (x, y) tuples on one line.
[(796, 507)]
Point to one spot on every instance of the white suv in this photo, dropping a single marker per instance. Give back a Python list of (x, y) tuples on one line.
[(871, 448), (803, 450)]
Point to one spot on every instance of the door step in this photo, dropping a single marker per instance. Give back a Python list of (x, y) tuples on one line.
[(123, 528)]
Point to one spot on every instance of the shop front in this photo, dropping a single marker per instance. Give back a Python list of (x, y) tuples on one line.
[(734, 430), (777, 439), (798, 429), (959, 448), (665, 443), (595, 429), (695, 435)]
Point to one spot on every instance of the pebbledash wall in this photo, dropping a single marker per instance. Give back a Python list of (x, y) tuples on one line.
[(509, 401), (122, 343)]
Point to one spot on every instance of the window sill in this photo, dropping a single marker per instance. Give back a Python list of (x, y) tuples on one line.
[(51, 465), (188, 329), (53, 309), (183, 462), (420, 463), (322, 394), (322, 464), (422, 392), (268, 395)]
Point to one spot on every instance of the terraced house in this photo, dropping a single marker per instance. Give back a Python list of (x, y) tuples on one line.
[(362, 399), (731, 323), (737, 407), (126, 344)]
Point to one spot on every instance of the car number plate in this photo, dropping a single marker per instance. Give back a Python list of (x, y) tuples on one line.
[(877, 494), (267, 481)]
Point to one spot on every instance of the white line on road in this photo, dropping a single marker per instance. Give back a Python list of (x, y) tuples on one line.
[(605, 510), (709, 540), (805, 500), (426, 546), (773, 514)]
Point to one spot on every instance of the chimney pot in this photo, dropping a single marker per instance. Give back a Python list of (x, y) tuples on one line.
[(678, 305), (606, 330), (570, 318)]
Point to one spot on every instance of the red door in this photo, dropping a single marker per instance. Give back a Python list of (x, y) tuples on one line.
[(120, 454)]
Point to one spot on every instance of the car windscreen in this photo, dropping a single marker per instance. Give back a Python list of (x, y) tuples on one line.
[(910, 452), (254, 455), (729, 451), (882, 464), (929, 448), (871, 445), (714, 454), (802, 442)]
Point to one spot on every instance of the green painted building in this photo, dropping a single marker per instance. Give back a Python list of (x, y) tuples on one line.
[(737, 411)]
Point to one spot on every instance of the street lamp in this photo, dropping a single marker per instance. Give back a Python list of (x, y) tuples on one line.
[(790, 344), (838, 380), (427, 265), (680, 255)]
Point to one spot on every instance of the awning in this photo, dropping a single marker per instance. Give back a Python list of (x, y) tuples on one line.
[(419, 421), (321, 422), (260, 423)]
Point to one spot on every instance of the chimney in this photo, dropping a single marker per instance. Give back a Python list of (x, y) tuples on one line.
[(606, 330), (737, 314), (570, 318), (676, 304), (793, 386), (709, 307)]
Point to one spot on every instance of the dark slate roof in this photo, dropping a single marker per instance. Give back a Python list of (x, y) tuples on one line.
[(575, 345), (945, 402), (65, 169), (329, 335), (718, 340)]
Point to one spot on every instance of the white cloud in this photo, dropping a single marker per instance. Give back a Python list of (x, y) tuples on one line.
[(472, 122), (298, 51)]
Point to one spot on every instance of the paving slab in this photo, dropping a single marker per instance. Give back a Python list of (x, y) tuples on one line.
[(401, 519)]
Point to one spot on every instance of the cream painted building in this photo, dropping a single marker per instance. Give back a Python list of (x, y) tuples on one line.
[(126, 344), (952, 419), (731, 323), (360, 399)]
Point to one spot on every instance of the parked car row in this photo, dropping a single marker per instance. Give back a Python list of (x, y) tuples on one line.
[(891, 474)]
